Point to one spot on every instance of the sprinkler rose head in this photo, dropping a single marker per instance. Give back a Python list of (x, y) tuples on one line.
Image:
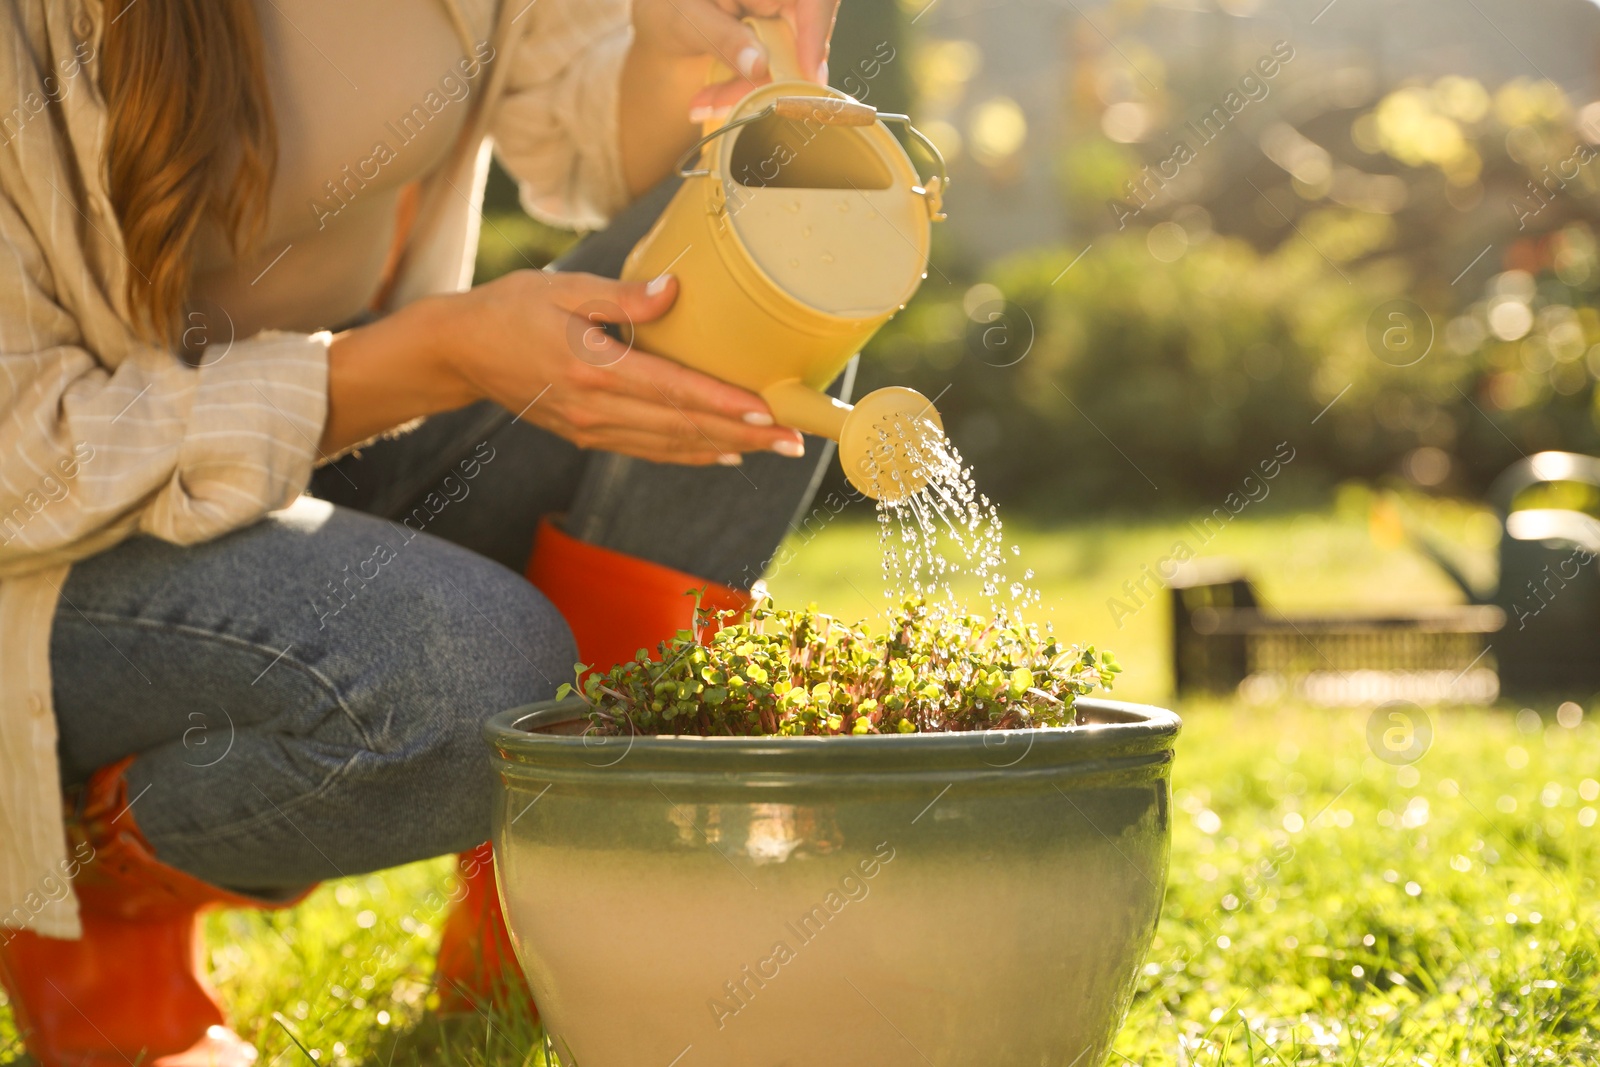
[(890, 443)]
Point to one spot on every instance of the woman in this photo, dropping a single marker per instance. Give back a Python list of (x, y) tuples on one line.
[(240, 236)]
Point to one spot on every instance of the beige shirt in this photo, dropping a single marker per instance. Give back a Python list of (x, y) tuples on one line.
[(103, 435), (358, 132)]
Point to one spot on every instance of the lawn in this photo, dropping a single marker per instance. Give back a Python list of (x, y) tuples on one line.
[(1324, 906)]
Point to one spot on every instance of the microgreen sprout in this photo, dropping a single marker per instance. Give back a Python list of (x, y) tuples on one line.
[(788, 673)]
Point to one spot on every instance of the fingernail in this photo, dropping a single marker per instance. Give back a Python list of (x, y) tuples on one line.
[(822, 73), (747, 61), (730, 459), (701, 114), (658, 285), (758, 418), (792, 449)]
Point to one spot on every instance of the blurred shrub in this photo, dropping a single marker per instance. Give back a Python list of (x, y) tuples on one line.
[(1159, 367), (1124, 379), (1532, 339)]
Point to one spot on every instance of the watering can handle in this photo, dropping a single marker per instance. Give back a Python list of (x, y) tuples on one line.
[(783, 57), (825, 110), (783, 61), (783, 54), (829, 111)]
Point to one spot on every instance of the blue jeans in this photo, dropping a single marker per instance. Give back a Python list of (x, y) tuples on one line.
[(304, 696)]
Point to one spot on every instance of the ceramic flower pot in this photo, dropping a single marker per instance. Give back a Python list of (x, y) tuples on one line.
[(943, 899)]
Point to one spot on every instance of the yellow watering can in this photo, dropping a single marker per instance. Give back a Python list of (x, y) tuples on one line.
[(800, 228)]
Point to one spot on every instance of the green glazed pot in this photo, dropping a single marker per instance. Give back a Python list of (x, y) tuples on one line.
[(925, 899)]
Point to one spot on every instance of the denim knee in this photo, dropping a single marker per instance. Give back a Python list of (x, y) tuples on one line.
[(466, 639), (508, 640), (505, 645), (474, 639)]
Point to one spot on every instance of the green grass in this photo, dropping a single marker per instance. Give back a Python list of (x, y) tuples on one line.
[(1324, 906)]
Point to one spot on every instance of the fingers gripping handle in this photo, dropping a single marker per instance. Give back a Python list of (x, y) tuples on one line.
[(783, 56)]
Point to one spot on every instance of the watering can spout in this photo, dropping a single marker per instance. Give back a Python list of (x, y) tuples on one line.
[(887, 441)]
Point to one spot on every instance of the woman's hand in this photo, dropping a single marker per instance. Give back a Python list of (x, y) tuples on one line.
[(712, 28), (533, 342), (664, 90)]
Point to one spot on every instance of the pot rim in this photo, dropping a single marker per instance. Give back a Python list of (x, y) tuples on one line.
[(1127, 736)]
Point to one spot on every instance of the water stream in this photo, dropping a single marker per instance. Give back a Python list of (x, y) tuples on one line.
[(947, 531)]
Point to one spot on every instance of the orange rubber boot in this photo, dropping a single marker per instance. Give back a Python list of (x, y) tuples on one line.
[(477, 968), (132, 989), (615, 604)]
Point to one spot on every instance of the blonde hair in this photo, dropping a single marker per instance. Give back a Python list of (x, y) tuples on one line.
[(191, 137)]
